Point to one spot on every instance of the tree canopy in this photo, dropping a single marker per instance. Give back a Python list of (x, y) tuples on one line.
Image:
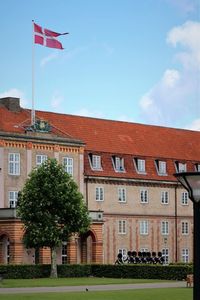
[(51, 207)]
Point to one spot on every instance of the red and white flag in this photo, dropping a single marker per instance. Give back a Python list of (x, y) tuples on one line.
[(46, 37)]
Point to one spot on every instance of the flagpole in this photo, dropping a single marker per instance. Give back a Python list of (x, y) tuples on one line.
[(33, 79)]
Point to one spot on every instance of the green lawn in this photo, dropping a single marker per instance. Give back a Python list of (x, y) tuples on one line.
[(145, 294), (69, 281)]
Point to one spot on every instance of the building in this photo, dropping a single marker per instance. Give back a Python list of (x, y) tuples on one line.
[(125, 171)]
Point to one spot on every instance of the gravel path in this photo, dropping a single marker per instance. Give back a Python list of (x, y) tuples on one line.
[(92, 288)]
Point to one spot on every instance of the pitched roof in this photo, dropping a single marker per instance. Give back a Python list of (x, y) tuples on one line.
[(128, 138), (114, 136)]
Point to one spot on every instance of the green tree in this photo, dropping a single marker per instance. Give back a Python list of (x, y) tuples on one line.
[(51, 209)]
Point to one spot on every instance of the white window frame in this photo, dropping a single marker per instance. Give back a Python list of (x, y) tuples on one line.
[(68, 163), (165, 197), (12, 198), (184, 198), (162, 167), (64, 253), (165, 255), (182, 167), (96, 162), (185, 228), (123, 251), (14, 164), (40, 158), (185, 255), (144, 196), (122, 227), (118, 164), (198, 167), (121, 194), (164, 227), (140, 165), (144, 249), (99, 193), (144, 227)]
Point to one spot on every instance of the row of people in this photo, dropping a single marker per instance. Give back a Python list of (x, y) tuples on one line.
[(134, 257)]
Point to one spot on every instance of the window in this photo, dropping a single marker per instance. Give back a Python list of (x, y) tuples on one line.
[(123, 251), (121, 194), (185, 255), (184, 198), (181, 167), (144, 196), (162, 167), (185, 228), (144, 250), (96, 162), (164, 227), (122, 227), (14, 164), (197, 167), (99, 194), (40, 159), (118, 163), (64, 253), (140, 165), (12, 199), (143, 227), (165, 255), (68, 165), (164, 197)]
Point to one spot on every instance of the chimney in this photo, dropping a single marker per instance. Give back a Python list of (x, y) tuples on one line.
[(11, 103)]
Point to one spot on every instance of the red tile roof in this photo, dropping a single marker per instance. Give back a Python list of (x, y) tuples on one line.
[(115, 137)]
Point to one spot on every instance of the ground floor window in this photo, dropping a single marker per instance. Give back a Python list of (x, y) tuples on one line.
[(185, 255), (4, 250), (165, 255), (8, 251), (64, 253), (123, 251)]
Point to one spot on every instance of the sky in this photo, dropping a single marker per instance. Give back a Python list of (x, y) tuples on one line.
[(128, 60)]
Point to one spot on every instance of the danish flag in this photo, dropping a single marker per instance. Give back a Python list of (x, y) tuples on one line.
[(46, 37)]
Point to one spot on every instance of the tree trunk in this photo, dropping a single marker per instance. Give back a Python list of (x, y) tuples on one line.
[(54, 273)]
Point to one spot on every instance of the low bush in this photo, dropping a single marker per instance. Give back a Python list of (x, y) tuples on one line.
[(74, 270), (25, 271), (175, 272), (171, 272)]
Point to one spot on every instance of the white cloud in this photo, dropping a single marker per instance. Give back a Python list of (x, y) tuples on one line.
[(170, 78), (76, 51), (48, 58), (85, 112), (173, 100), (184, 6), (125, 119), (56, 102), (16, 94), (187, 36), (195, 125)]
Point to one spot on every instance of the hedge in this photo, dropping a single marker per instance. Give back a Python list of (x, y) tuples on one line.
[(171, 272), (175, 272)]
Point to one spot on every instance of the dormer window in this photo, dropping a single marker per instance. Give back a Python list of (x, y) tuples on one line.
[(181, 167), (161, 167), (95, 161), (118, 163), (197, 167), (140, 165)]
